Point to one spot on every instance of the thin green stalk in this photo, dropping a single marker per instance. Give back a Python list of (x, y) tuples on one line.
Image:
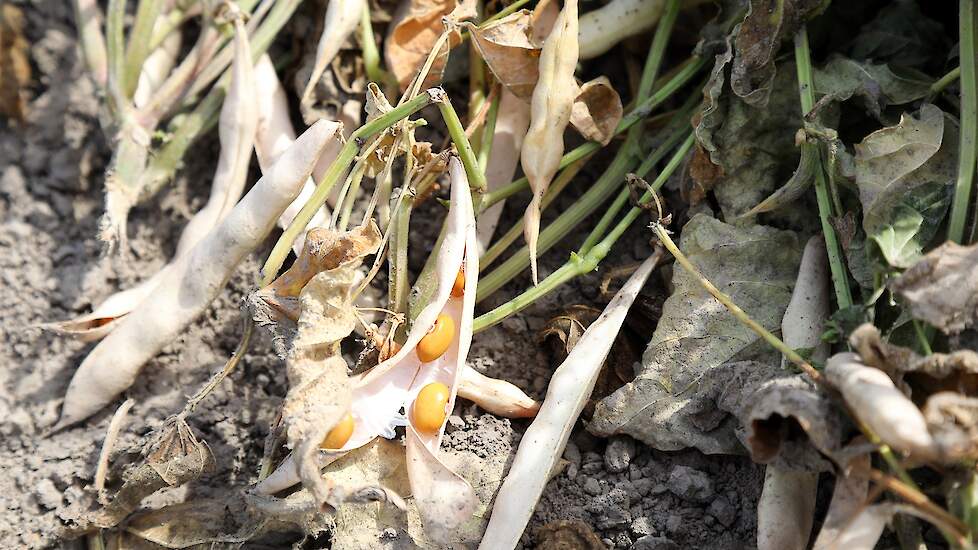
[(806, 86), (922, 337), (642, 110), (138, 46), (477, 178), (488, 132), (945, 81), (115, 51), (504, 12), (91, 39), (371, 56), (502, 243), (969, 124), (281, 249), (602, 227), (581, 262), (399, 287), (349, 197)]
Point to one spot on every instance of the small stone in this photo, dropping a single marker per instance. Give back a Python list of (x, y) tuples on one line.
[(619, 453), (634, 473), (650, 542), (723, 511), (659, 488), (643, 486), (690, 485), (592, 457), (592, 487), (389, 534), (572, 470), (456, 422), (592, 467), (674, 523), (47, 494), (572, 453), (611, 510), (642, 526)]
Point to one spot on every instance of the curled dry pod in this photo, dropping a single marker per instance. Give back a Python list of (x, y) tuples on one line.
[(194, 280), (544, 441), (341, 19), (550, 112), (275, 134), (883, 408), (236, 129), (496, 396)]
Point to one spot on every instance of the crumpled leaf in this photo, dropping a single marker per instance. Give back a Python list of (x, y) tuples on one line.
[(942, 287), (511, 51), (758, 40), (876, 85), (565, 534), (195, 522), (320, 392), (699, 350), (905, 175), (15, 66), (597, 110), (903, 35), (952, 420), (750, 145), (413, 34)]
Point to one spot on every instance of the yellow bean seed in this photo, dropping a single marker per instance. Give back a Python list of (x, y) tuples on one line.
[(458, 289), (428, 412), (439, 337), (340, 434)]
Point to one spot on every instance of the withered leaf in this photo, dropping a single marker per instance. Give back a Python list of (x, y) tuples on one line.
[(876, 85), (597, 110), (413, 34), (699, 350), (759, 39), (942, 287), (511, 52)]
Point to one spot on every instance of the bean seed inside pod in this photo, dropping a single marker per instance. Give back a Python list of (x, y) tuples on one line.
[(339, 435), (436, 342), (428, 412)]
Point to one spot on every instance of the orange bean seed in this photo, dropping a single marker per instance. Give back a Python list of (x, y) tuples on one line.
[(436, 342), (340, 434), (428, 412), (458, 289)]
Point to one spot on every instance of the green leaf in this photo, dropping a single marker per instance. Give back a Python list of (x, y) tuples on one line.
[(876, 85), (905, 175), (699, 349)]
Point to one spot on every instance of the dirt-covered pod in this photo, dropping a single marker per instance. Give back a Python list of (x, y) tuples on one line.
[(236, 130), (543, 443), (550, 112), (876, 402), (608, 25), (339, 22), (193, 282)]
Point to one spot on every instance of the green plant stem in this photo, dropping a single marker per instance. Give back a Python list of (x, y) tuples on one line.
[(642, 110), (505, 11), (115, 52), (583, 261), (349, 197), (371, 56), (281, 249), (488, 133), (139, 46), (502, 243), (612, 212), (399, 288), (477, 178), (171, 21), (91, 40), (922, 337), (945, 81), (806, 86), (969, 123)]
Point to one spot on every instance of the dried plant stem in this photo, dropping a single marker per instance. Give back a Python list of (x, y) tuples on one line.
[(951, 526), (229, 367), (733, 308), (339, 166), (643, 108), (111, 435), (806, 87), (969, 124)]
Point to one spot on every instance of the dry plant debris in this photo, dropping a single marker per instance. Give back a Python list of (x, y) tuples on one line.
[(818, 319)]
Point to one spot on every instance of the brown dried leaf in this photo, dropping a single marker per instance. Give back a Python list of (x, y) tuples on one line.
[(597, 110), (15, 67), (511, 52), (413, 34), (942, 287), (568, 533), (567, 328)]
